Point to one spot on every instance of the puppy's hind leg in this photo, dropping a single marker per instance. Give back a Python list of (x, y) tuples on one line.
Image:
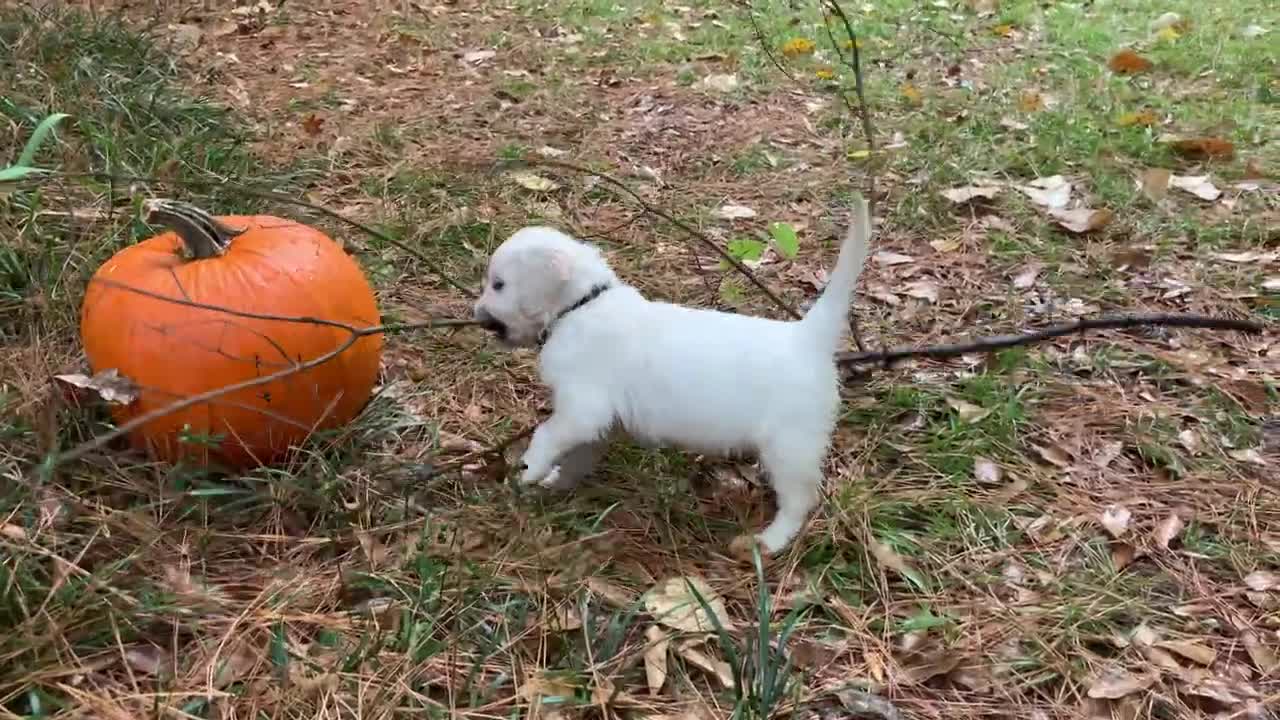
[(794, 468)]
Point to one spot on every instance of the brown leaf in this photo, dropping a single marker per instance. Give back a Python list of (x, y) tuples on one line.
[(1155, 183), (1055, 455), (986, 471), (1205, 148), (889, 559), (1116, 520), (1197, 185), (1262, 580), (149, 660), (1053, 192), (889, 258), (912, 94), (611, 593), (313, 124), (108, 384), (1168, 529), (1122, 555), (655, 658), (1027, 277), (932, 665), (1083, 220), (922, 289), (1117, 683), (1263, 657), (968, 412), (672, 603), (1128, 62), (968, 193), (1031, 101), (706, 663), (1191, 650)]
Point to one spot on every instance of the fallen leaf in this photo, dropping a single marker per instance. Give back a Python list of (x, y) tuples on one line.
[(475, 57), (1083, 220), (1191, 440), (1027, 277), (1166, 21), (1191, 650), (967, 411), (968, 192), (551, 152), (563, 618), (1249, 32), (655, 658), (1128, 62), (720, 669), (1116, 520), (148, 659), (987, 471), (1053, 192), (1054, 455), (1009, 123), (1116, 683), (313, 124), (1205, 148), (932, 665), (798, 46), (1154, 183), (545, 685), (891, 560), (825, 73), (922, 289), (734, 212), (1003, 30), (912, 94), (887, 258), (534, 182), (1249, 455), (1138, 118), (1263, 657), (1122, 554), (1262, 580), (1031, 101), (1197, 185), (1249, 256), (948, 245), (725, 83), (109, 385), (1168, 529), (672, 603), (611, 593), (983, 7)]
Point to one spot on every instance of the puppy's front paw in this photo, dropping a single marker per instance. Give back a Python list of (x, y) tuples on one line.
[(741, 548), (552, 480)]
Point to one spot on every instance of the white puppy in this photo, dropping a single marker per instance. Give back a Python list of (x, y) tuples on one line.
[(707, 381)]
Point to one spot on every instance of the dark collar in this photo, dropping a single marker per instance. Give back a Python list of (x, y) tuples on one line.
[(595, 292)]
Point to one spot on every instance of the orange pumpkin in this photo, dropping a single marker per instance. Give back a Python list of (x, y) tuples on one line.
[(255, 264)]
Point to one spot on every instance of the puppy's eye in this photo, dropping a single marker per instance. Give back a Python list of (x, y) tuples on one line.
[(498, 285)]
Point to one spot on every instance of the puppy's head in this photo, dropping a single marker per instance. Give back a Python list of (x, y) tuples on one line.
[(532, 277)]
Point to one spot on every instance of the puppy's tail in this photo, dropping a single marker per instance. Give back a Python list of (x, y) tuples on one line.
[(827, 320)]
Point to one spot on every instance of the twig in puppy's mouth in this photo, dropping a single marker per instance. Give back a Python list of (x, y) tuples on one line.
[(887, 358)]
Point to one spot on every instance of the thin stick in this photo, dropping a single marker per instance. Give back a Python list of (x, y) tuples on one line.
[(283, 198), (887, 358), (685, 227)]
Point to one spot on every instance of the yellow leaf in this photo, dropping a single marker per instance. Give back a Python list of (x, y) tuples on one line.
[(848, 44), (1168, 34), (1145, 118), (859, 154), (797, 46), (912, 94), (1030, 101), (825, 73), (1003, 30)]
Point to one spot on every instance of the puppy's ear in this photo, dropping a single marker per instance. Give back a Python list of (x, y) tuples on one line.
[(546, 276)]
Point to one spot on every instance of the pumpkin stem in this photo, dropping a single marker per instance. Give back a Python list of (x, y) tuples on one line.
[(202, 234)]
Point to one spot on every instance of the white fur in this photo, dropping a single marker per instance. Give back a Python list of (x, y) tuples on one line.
[(707, 381)]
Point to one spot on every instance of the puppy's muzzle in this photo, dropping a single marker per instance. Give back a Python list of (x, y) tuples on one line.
[(491, 323)]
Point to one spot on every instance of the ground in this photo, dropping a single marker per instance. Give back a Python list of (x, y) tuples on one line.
[(1084, 528)]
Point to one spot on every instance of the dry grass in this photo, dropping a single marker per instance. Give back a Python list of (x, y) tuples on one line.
[(1085, 529)]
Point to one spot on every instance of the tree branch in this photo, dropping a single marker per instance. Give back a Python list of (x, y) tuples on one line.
[(886, 359), (282, 198)]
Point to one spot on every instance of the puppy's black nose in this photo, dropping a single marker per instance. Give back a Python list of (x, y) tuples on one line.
[(492, 324)]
